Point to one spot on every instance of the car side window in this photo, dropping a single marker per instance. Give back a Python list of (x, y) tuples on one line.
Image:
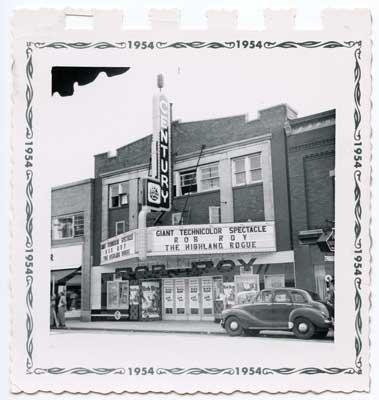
[(264, 297), (298, 297), (281, 296)]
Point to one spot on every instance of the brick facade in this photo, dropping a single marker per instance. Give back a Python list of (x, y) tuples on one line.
[(296, 192), (311, 164)]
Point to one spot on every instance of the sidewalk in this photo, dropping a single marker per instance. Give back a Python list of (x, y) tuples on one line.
[(195, 327), (205, 327)]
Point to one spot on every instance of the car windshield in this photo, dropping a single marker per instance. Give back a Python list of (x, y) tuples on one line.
[(315, 296)]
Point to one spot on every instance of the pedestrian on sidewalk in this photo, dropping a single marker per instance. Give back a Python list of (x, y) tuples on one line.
[(62, 308), (330, 297), (53, 315)]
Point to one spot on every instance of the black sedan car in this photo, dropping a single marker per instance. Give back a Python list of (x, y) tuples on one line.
[(292, 309)]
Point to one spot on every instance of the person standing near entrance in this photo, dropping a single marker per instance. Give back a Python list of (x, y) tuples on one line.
[(53, 314), (62, 307)]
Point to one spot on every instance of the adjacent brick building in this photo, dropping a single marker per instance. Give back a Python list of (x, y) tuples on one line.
[(71, 245)]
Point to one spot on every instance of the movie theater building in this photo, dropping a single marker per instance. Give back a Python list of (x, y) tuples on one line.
[(226, 235), (311, 168), (71, 245)]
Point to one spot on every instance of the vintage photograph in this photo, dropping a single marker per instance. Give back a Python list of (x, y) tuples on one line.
[(221, 225), (191, 208)]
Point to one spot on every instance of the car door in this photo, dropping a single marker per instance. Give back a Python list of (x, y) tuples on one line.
[(281, 308), (261, 310)]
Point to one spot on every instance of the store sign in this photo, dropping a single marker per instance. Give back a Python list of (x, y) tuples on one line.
[(326, 241), (158, 187), (118, 248), (65, 257), (248, 237)]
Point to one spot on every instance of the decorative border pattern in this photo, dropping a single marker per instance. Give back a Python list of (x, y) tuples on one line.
[(357, 261)]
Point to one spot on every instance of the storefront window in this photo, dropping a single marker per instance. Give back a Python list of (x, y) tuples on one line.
[(68, 226)]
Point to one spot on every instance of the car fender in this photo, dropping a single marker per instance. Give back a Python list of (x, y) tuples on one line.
[(313, 315), (247, 319)]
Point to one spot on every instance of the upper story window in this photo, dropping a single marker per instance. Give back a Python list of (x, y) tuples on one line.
[(209, 178), (247, 169), (188, 182), (68, 226), (202, 179), (176, 218), (120, 227), (118, 194)]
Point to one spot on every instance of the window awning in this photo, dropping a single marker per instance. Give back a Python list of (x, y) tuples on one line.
[(76, 280), (61, 277)]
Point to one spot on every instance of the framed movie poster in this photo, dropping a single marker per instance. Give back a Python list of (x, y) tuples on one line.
[(124, 294), (247, 287), (112, 295), (150, 300), (134, 295)]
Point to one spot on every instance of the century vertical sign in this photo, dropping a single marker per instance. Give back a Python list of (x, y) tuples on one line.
[(158, 187)]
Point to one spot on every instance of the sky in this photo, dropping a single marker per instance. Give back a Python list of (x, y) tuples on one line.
[(111, 112)]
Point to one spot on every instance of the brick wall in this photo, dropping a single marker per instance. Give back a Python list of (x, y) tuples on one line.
[(319, 188), (115, 215), (197, 208), (248, 203), (311, 156)]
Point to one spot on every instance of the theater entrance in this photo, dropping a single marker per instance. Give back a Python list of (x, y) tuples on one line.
[(188, 299)]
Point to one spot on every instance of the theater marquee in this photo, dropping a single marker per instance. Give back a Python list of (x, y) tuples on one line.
[(205, 239)]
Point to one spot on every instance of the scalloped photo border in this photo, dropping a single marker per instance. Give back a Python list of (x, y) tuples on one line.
[(356, 368)]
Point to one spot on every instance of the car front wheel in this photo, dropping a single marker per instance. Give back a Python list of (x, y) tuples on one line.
[(233, 326), (303, 328)]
